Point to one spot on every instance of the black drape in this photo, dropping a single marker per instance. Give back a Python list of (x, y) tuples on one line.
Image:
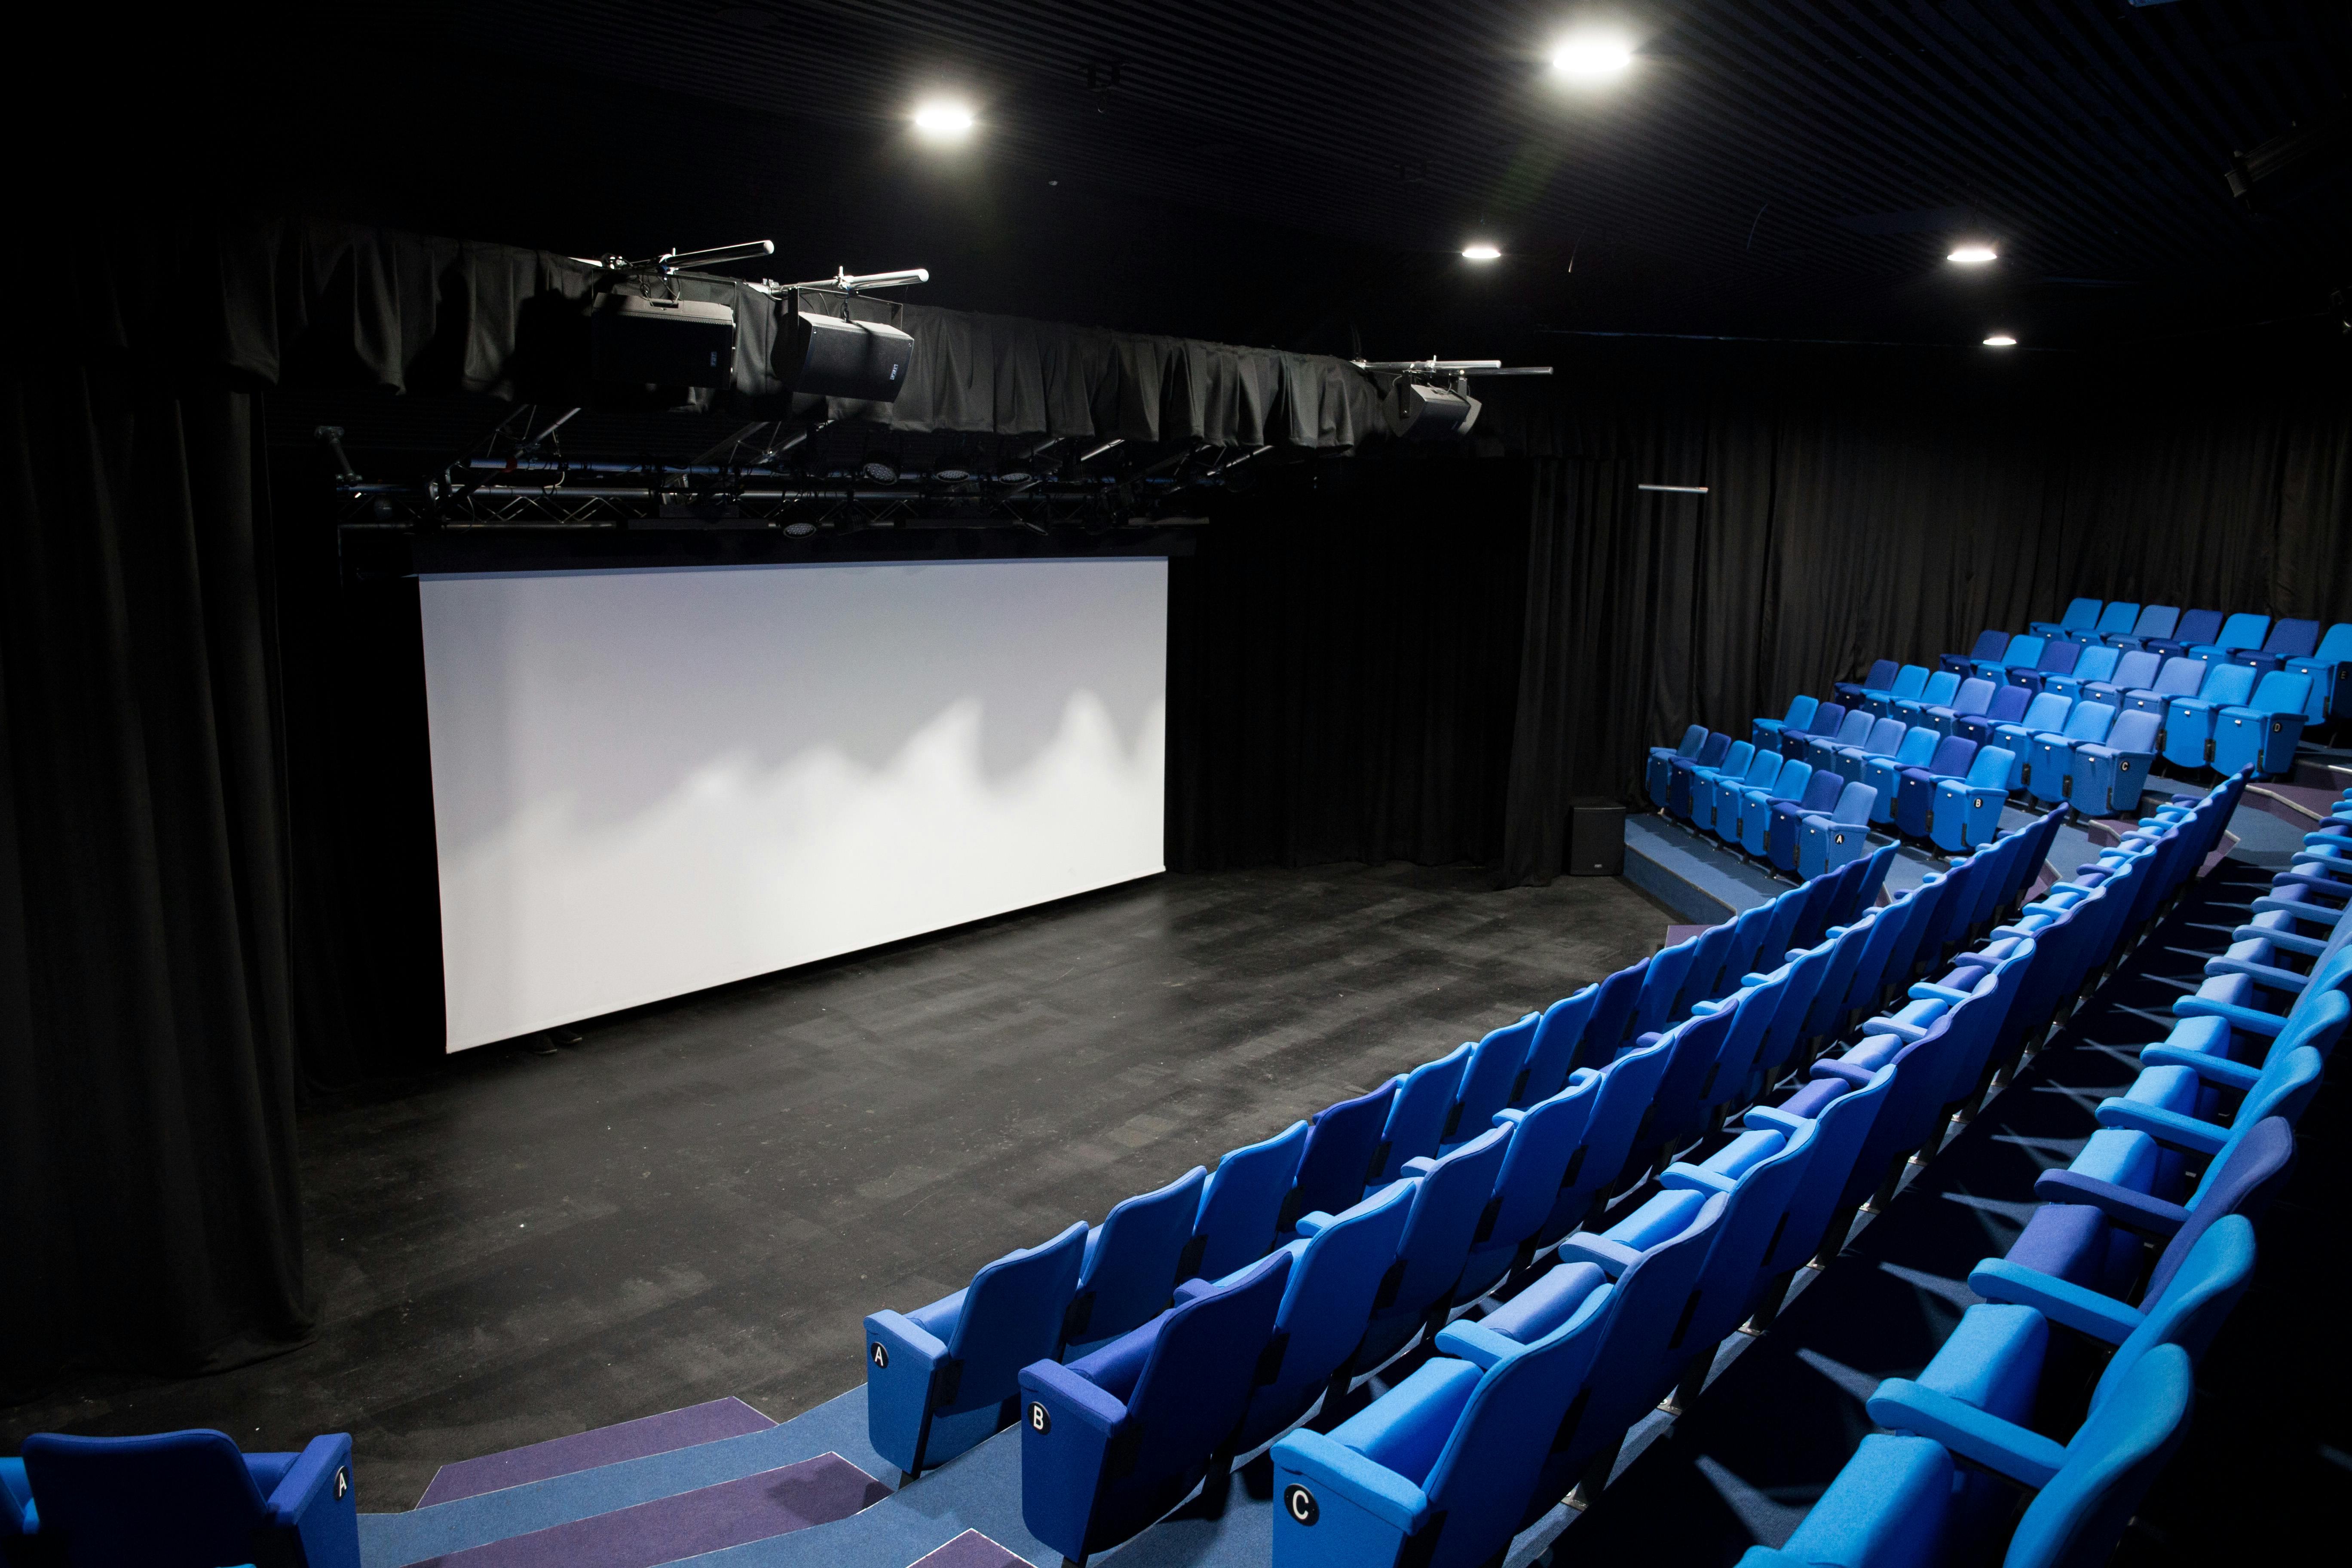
[(149, 1069)]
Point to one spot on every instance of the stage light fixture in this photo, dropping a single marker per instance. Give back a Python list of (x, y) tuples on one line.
[(1973, 255), (800, 528), (942, 120), (1479, 250), (878, 467), (2000, 340), (1591, 57)]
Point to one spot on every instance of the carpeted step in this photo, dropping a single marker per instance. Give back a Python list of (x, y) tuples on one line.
[(663, 1434)]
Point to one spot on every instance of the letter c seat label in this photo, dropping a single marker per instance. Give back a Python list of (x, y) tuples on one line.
[(1300, 1503)]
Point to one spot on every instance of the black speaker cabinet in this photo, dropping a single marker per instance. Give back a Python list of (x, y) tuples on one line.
[(637, 341), (1596, 837), (864, 360), (1419, 413)]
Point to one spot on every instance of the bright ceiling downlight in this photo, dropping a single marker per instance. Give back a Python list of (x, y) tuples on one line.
[(1479, 250), (2000, 340), (1973, 255), (1591, 57), (942, 120)]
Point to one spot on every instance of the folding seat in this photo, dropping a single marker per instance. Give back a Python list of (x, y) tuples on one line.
[(1821, 794), (1703, 979), (2288, 640), (1989, 644), (1133, 1261), (1801, 979), (1613, 1017), (1826, 719), (1418, 1116), (1827, 842), (1544, 1139), (1440, 1471), (1973, 698), (2108, 773), (2008, 706), (1747, 933), (2047, 770), (1710, 787), (1497, 1065), (1882, 676), (1627, 1086), (1343, 1153), (1908, 683), (1551, 1053), (2119, 618), (1885, 738), (2243, 633), (1450, 1203), (1695, 1045), (1937, 691), (1660, 983), (1842, 1115), (2045, 715), (2081, 616), (2181, 677), (1335, 1275), (180, 1500), (2262, 735), (1822, 751), (2023, 652), (1766, 732), (1891, 1506), (1914, 788), (1755, 804), (1658, 773), (2156, 623), (1114, 1440), (942, 1378), (1884, 775), (2134, 671), (1690, 792), (2059, 662), (2186, 736), (2096, 663), (2194, 628), (1242, 1203), (2333, 661), (1966, 812), (1759, 1171), (1680, 771)]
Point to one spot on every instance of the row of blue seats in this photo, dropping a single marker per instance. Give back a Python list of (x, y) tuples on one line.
[(2253, 639), (1478, 1442), (2143, 1244)]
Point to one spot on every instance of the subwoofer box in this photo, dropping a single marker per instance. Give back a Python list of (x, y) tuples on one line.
[(1596, 837), (862, 360), (640, 341)]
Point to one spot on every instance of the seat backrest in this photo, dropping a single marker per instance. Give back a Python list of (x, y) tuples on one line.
[(1646, 1337), (1748, 939), (1953, 755), (2023, 651), (175, 1500), (1791, 782), (1918, 747), (1807, 974), (1692, 739), (1425, 1099), (2081, 613), (2243, 630), (1991, 644), (2198, 627), (2281, 691), (2089, 722), (1800, 713), (2336, 648), (2098, 662), (2284, 1087), (1014, 1308), (2292, 639), (2191, 1307), (1339, 1159), (1762, 768), (1241, 1207), (2137, 671), (1627, 1086), (1821, 793), (1547, 1138), (2134, 731), (1335, 1276), (2060, 656), (1826, 719), (1974, 696), (1854, 805), (2228, 684), (2180, 677), (1131, 1262), (1552, 1054), (1855, 728), (1669, 966), (1882, 670), (1711, 749), (1447, 1210), (2046, 712), (1940, 688), (2156, 621), (1884, 737), (1990, 767), (2243, 1182), (1494, 1069), (1197, 1379), (2075, 1520), (1839, 1134), (2117, 618), (1759, 1207), (1704, 978), (2010, 702), (1613, 1012), (1912, 678), (1734, 761)]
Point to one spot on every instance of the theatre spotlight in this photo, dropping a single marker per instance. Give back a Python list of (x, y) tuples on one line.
[(1479, 250), (1591, 57), (1973, 255), (800, 528), (879, 468), (2000, 340), (942, 120)]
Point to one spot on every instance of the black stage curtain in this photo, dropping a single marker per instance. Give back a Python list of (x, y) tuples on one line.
[(1340, 670), (148, 1082)]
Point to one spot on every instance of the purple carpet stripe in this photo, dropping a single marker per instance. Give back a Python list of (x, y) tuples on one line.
[(970, 1549), (1684, 934), (663, 1434), (756, 1507)]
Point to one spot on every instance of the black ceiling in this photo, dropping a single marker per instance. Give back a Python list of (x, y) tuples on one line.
[(1306, 173)]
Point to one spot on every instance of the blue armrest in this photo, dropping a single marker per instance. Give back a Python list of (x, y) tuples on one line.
[(2013, 1451), (2060, 1301), (1928, 991), (317, 1500), (1419, 1165), (2269, 976), (1772, 1119), (1336, 1469), (1481, 1347), (2316, 914), (1613, 1256), (1697, 1178), (1838, 1069), (1315, 1222), (2167, 1127), (2253, 1020), (2212, 1068), (2133, 1210), (1191, 1291), (1064, 1394), (2309, 946)]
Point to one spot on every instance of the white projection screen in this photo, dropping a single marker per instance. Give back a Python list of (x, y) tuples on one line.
[(649, 782)]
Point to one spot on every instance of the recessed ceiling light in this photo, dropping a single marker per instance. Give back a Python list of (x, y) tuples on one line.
[(1973, 255), (1592, 57), (2000, 340), (1481, 251), (943, 121)]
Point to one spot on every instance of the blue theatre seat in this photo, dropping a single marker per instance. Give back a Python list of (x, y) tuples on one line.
[(1964, 812), (1908, 682), (2186, 739), (1680, 770), (2108, 775), (1759, 1171), (1991, 643), (1240, 1205), (2049, 761), (1344, 1153), (2195, 628), (2327, 667), (1884, 739), (1914, 788), (185, 1499), (1419, 1114), (1115, 1438), (2023, 652), (1133, 1261), (1973, 698), (1497, 1067), (2117, 620), (1756, 805), (1937, 692), (1451, 1204), (943, 1377), (1657, 774), (1707, 784), (1552, 1054), (2082, 616), (2095, 663), (1766, 732), (1828, 841), (2289, 640), (1826, 719), (2262, 732), (1721, 812), (1820, 796), (2136, 670), (2008, 706), (1884, 775), (1841, 1116), (1881, 676), (1544, 1139), (2045, 715), (1822, 751), (2154, 621), (2059, 658), (2243, 633), (1628, 1085)]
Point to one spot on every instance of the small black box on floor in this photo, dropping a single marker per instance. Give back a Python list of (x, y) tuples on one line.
[(1596, 837)]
